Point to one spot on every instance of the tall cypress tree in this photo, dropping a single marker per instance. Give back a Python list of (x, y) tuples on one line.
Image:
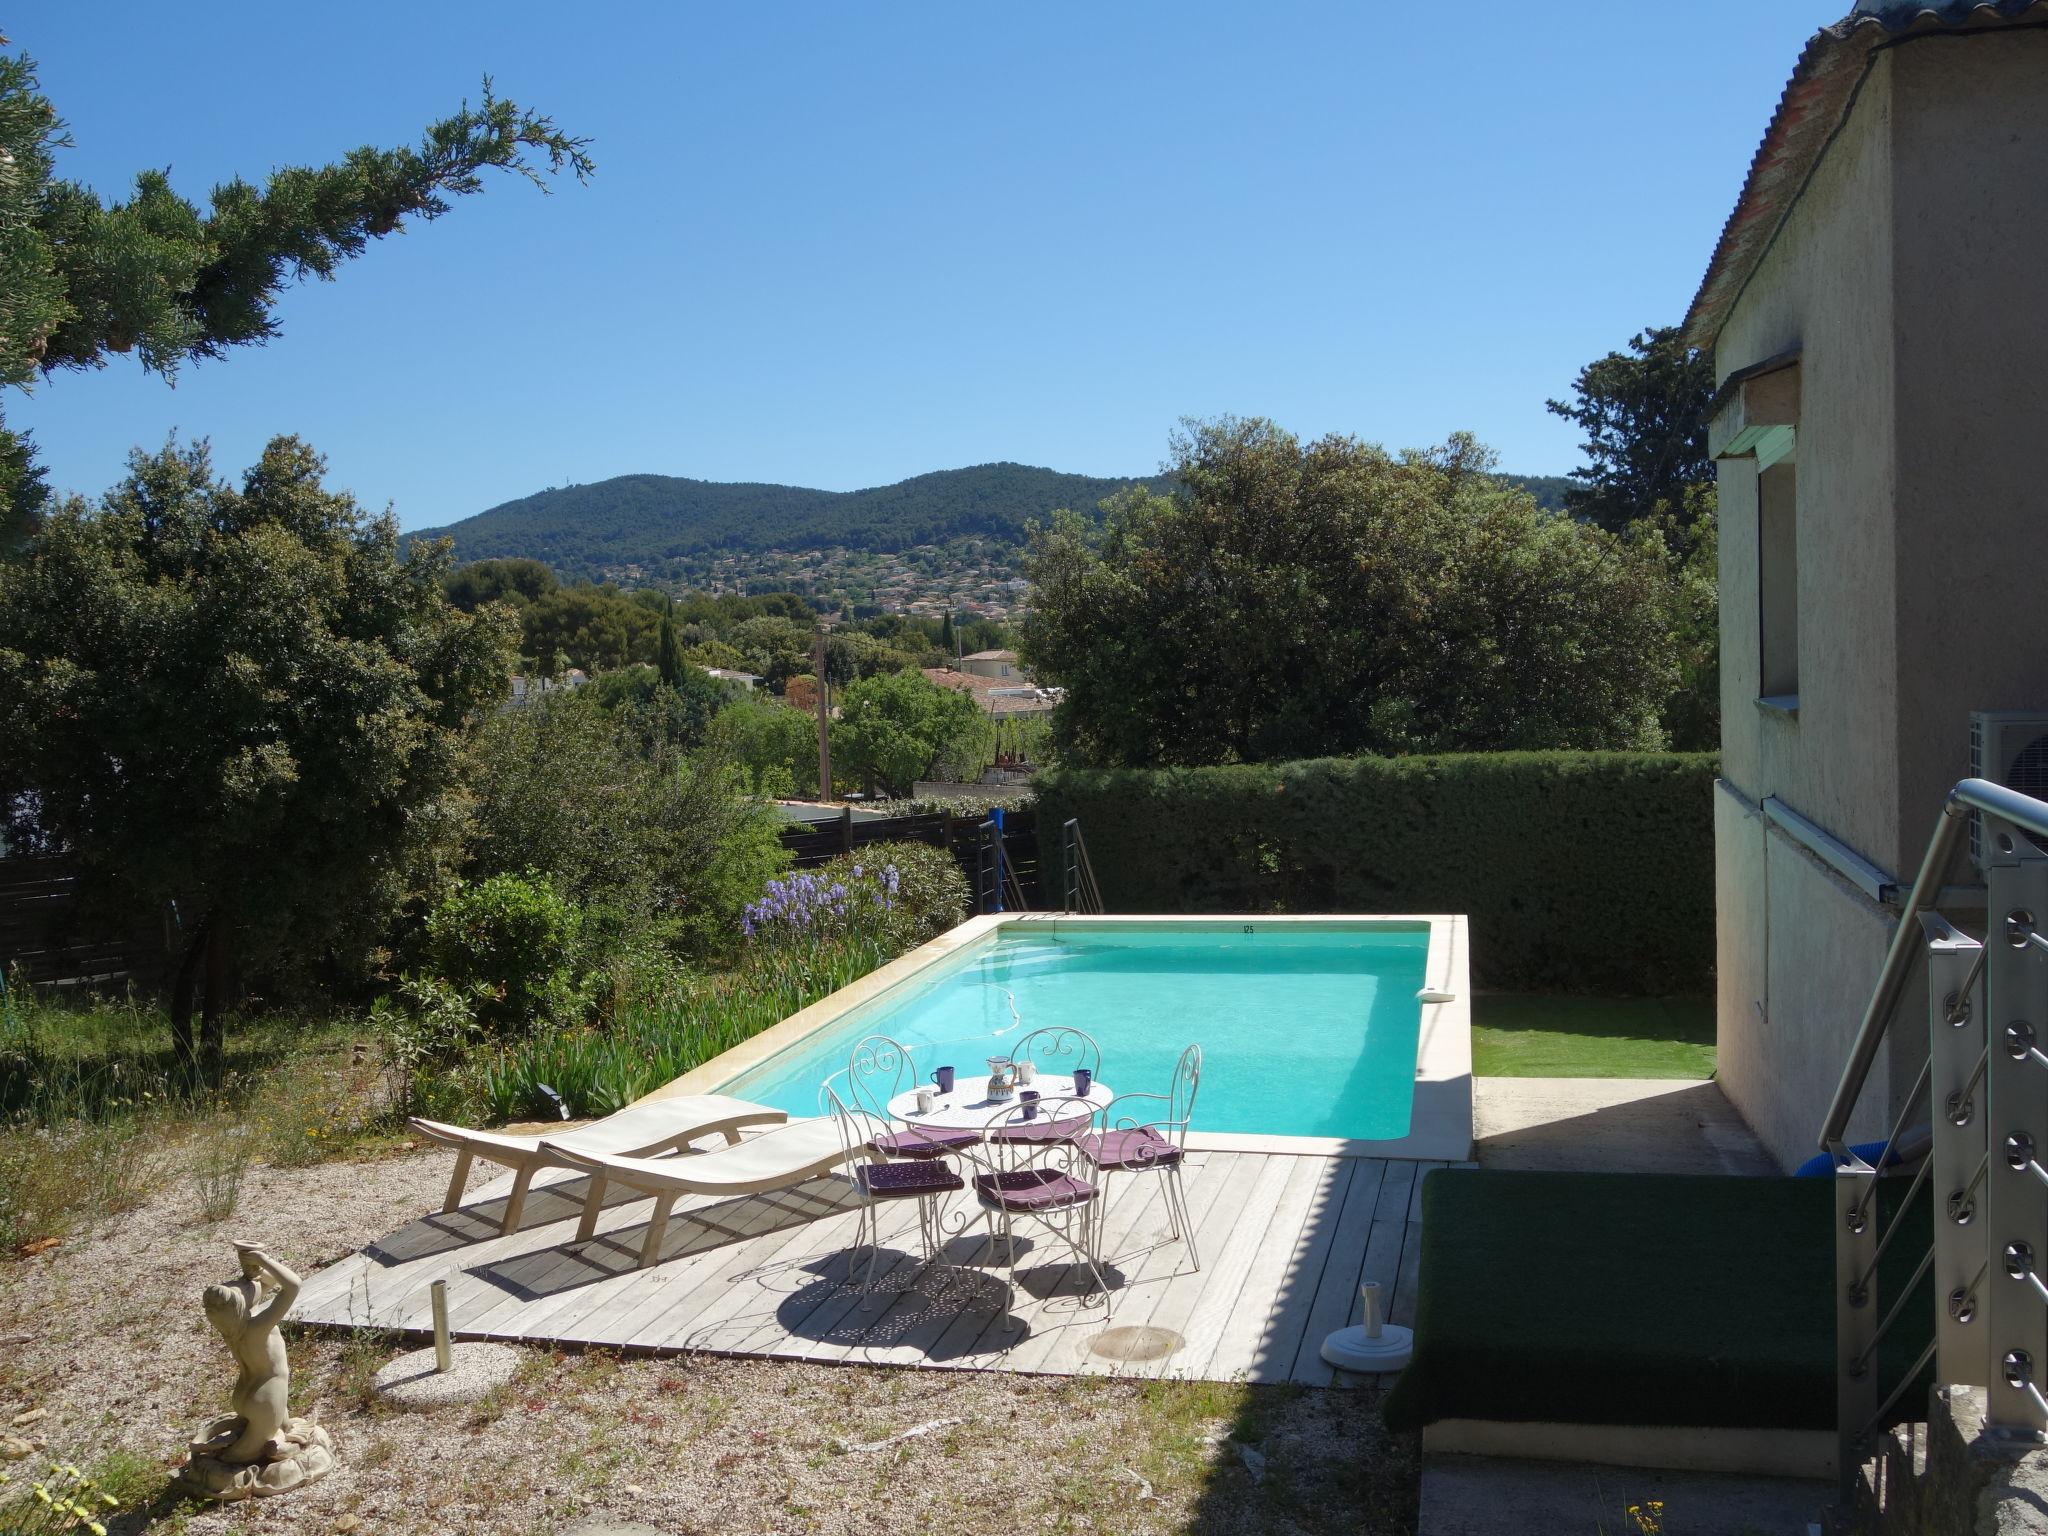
[(669, 651), (946, 642)]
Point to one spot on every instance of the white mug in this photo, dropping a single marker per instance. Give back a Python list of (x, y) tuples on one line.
[(1027, 1072), (925, 1100)]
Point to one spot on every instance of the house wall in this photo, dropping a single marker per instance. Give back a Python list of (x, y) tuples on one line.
[(1907, 276), (1798, 949), (1971, 154)]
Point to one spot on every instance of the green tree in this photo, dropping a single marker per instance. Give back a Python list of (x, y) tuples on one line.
[(81, 279), (676, 848), (1644, 413), (893, 729), (946, 634), (776, 747), (1688, 540), (244, 702), (669, 650), (518, 582), (1293, 601), (596, 628), (666, 720)]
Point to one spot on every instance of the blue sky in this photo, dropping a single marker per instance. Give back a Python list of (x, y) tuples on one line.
[(836, 244)]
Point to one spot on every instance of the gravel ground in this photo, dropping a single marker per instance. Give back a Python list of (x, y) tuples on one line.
[(104, 1334)]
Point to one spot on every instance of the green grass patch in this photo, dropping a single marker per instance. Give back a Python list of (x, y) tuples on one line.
[(1520, 1035)]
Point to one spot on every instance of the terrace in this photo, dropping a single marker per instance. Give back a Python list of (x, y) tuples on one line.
[(1289, 1226)]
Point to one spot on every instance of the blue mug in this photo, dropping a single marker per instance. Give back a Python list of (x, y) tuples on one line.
[(1084, 1080), (1028, 1100), (943, 1079)]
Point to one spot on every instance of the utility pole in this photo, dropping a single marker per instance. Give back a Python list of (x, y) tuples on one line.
[(824, 719)]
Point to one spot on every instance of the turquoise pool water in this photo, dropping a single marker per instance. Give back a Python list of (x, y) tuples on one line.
[(1306, 1030)]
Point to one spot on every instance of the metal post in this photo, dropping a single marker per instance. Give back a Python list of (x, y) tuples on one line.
[(982, 867), (2016, 1108), (1856, 1311), (824, 720), (439, 1292), (995, 817), (1955, 1050)]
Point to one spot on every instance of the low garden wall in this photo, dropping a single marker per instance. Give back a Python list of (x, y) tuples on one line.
[(1580, 871)]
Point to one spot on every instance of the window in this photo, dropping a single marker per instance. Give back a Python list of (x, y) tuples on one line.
[(1778, 584)]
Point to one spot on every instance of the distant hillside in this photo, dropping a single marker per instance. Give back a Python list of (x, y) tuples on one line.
[(652, 520), (658, 523)]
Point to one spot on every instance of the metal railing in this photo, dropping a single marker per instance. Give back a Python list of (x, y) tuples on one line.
[(1078, 890), (996, 886), (1975, 1123)]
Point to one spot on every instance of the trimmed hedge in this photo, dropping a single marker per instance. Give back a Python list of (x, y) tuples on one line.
[(1580, 871)]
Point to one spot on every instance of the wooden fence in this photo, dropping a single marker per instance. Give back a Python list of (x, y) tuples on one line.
[(48, 938)]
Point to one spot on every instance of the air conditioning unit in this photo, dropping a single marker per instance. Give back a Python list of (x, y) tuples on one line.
[(2009, 747)]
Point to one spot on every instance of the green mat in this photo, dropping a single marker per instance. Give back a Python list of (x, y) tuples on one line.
[(1603, 1298)]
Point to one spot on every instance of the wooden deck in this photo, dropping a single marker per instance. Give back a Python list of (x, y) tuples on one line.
[(1285, 1241)]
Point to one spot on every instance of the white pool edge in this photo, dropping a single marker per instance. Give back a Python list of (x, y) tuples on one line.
[(1440, 1117)]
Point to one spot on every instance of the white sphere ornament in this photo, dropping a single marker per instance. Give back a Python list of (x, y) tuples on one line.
[(1374, 1349)]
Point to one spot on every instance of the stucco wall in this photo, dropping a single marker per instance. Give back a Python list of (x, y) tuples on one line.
[(1970, 151), (1907, 276), (1825, 289), (1797, 953)]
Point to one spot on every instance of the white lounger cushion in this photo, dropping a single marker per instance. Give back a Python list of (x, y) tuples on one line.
[(649, 1126), (775, 1159), (652, 1125)]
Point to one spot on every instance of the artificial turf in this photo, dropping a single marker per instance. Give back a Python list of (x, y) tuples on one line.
[(1521, 1035), (1653, 1299)]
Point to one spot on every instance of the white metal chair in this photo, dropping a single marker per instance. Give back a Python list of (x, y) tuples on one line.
[(1154, 1142), (1059, 1049), (1031, 1164), (927, 1180), (878, 1070)]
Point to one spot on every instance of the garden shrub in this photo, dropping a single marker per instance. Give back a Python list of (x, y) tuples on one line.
[(1580, 871), (894, 897), (510, 943), (677, 847)]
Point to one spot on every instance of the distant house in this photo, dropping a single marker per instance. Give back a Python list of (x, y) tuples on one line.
[(524, 688), (1001, 665), (1874, 314), (1014, 700), (729, 675)]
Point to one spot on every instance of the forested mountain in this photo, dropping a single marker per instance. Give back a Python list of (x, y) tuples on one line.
[(651, 520), (654, 523)]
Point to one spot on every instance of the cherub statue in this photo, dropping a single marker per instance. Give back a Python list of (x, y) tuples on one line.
[(248, 1320), (258, 1448)]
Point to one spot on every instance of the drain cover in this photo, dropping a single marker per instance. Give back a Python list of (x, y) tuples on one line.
[(1140, 1343)]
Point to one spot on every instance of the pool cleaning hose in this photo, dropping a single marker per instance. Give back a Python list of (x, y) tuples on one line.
[(1373, 1349)]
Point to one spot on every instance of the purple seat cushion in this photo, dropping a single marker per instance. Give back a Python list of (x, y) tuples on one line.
[(1032, 1189), (897, 1181), (918, 1142), (1118, 1150)]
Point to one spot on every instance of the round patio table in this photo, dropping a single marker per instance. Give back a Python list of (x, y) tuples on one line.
[(969, 1108)]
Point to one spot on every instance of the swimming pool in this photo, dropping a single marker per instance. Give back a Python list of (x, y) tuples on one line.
[(1312, 1030)]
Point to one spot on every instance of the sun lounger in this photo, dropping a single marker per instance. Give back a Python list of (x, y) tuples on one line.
[(777, 1159), (639, 1130)]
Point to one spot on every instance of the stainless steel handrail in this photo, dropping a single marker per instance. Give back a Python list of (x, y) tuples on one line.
[(1969, 795)]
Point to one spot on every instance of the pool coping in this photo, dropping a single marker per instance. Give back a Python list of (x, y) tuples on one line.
[(1440, 1117)]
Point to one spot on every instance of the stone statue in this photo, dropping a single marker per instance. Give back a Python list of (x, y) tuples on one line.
[(257, 1449)]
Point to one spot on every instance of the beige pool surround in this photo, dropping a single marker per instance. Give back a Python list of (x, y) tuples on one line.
[(1440, 1122)]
